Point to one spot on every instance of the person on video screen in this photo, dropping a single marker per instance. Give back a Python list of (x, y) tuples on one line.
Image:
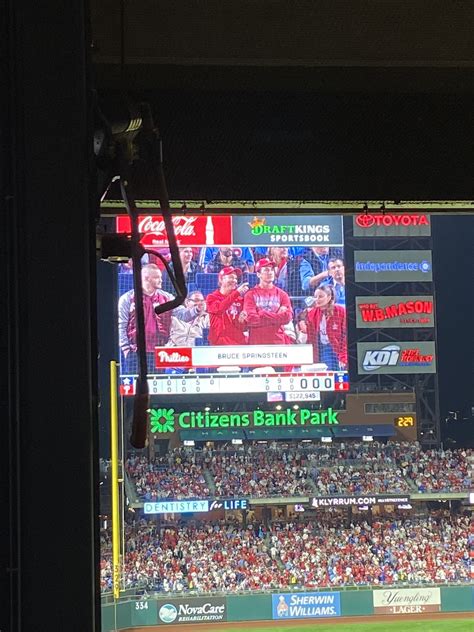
[(268, 308), (190, 268), (225, 307), (157, 327), (279, 256), (327, 329), (210, 254), (189, 322), (227, 257), (337, 278)]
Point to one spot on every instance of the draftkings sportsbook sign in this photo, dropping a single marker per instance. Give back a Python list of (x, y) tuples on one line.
[(165, 420)]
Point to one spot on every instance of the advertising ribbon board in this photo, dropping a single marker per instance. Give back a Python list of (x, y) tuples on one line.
[(287, 230), (164, 420), (193, 506), (192, 610), (407, 600), (357, 501), (189, 230), (392, 225), (306, 605), (392, 266), (384, 312), (396, 357)]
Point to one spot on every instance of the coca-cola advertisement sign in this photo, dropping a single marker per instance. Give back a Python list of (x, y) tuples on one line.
[(190, 230)]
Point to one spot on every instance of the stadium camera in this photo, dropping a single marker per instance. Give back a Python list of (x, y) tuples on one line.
[(124, 136)]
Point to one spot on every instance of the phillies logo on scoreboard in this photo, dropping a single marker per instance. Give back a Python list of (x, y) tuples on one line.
[(127, 386), (173, 356), (190, 230)]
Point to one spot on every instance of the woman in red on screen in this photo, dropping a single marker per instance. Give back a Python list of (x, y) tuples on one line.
[(327, 329), (225, 307)]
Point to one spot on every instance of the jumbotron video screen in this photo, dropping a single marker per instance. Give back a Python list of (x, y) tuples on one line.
[(264, 314)]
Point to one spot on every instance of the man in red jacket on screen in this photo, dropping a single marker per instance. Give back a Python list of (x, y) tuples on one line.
[(268, 308), (225, 308)]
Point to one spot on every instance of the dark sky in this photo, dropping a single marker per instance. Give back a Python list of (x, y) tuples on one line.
[(454, 285)]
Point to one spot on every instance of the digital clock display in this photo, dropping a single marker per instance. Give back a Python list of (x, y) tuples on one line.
[(405, 422)]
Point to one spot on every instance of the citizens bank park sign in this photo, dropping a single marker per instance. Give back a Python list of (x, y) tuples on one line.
[(382, 312), (392, 225), (164, 420)]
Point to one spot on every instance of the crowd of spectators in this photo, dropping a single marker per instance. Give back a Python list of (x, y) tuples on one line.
[(175, 476), (277, 469), (417, 550), (201, 557), (439, 470), (225, 557), (259, 474), (352, 479)]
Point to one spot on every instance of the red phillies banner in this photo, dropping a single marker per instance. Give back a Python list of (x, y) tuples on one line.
[(173, 356), (190, 230)]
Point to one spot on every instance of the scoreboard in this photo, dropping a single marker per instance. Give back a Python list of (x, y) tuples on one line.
[(300, 385)]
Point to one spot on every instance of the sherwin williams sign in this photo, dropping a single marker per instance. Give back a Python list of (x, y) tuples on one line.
[(164, 420), (381, 312), (306, 605), (396, 357), (392, 266), (392, 225), (287, 230)]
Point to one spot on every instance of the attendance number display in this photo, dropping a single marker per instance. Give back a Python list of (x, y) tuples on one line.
[(407, 421)]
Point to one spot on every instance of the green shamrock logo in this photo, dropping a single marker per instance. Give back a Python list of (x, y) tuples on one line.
[(162, 419)]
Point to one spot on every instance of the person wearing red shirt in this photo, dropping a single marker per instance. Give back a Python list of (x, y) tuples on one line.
[(225, 308), (327, 329), (268, 308)]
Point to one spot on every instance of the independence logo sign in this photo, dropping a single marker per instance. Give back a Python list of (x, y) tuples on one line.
[(306, 605), (374, 266)]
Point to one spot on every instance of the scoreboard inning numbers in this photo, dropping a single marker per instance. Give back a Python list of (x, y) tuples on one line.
[(209, 384)]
